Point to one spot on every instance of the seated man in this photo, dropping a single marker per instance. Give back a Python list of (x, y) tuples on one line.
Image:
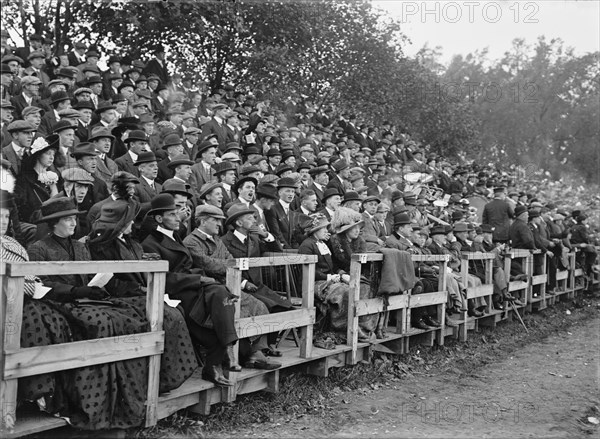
[(209, 252), (246, 240), (209, 306)]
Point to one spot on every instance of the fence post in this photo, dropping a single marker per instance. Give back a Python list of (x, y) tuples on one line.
[(308, 301), (155, 313)]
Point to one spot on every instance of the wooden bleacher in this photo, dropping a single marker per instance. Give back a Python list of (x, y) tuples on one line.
[(199, 395)]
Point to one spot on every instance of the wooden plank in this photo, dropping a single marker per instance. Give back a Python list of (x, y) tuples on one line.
[(363, 258), (518, 253), (16, 269), (44, 359), (562, 275), (430, 258), (308, 302), (155, 314), (426, 299), (269, 380), (353, 299), (233, 281), (539, 279), (480, 291), (517, 285), (578, 272), (477, 256), (33, 423), (12, 313), (375, 305), (258, 325), (273, 261)]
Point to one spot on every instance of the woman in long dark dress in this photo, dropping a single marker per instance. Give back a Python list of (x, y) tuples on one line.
[(103, 396), (110, 239), (42, 325)]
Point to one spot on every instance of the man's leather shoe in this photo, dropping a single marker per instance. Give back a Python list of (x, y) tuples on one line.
[(430, 321), (517, 302), (509, 296), (262, 364), (420, 324), (474, 313), (417, 289), (230, 362), (214, 375), (550, 293)]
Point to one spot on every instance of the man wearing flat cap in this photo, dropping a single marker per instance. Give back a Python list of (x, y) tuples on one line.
[(21, 133), (30, 94)]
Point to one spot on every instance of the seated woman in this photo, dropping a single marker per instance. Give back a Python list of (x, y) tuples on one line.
[(38, 180), (110, 239), (42, 325), (332, 279), (107, 395)]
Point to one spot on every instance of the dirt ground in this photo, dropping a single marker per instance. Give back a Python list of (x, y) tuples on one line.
[(546, 389)]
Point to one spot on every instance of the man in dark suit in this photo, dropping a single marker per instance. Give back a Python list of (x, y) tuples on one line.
[(173, 145), (319, 183), (136, 142), (30, 94), (283, 222), (22, 136), (202, 171), (246, 240), (77, 55), (217, 124), (225, 172), (208, 306), (341, 172), (147, 188), (157, 65)]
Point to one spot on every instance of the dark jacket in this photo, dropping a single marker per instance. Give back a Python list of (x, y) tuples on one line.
[(521, 236), (497, 213), (324, 262)]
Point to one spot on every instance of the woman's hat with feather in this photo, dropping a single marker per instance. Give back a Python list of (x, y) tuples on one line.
[(344, 219), (7, 185)]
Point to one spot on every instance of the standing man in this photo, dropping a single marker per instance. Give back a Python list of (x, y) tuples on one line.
[(136, 142), (498, 213)]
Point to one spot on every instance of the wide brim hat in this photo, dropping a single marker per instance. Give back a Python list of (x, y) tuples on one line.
[(100, 133), (287, 182), (243, 180), (236, 211), (205, 145), (401, 219), (40, 144), (437, 230), (114, 218), (315, 222), (172, 140), (330, 192), (174, 186), (351, 196), (56, 208), (345, 227)]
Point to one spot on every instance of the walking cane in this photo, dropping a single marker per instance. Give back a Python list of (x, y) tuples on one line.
[(518, 315)]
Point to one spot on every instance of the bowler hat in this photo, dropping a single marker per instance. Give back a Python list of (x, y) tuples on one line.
[(283, 168), (161, 203), (371, 198), (104, 106), (136, 135), (66, 73), (176, 187), (233, 146), (249, 169), (145, 157), (351, 196), (236, 211), (172, 140), (58, 207), (401, 219), (59, 96), (330, 192), (182, 159), (437, 230), (238, 184), (123, 177), (204, 146), (62, 125)]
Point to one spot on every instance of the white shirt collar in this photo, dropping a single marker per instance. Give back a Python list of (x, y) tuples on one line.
[(133, 155), (244, 202), (284, 204), (260, 209), (166, 232), (331, 212), (305, 211), (150, 182), (226, 186), (240, 236), (318, 186)]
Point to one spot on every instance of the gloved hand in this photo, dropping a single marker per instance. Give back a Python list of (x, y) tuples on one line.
[(250, 287), (95, 293)]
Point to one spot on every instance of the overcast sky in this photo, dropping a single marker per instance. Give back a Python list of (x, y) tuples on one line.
[(461, 27)]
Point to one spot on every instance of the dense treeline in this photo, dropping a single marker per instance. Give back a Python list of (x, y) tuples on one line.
[(537, 104)]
